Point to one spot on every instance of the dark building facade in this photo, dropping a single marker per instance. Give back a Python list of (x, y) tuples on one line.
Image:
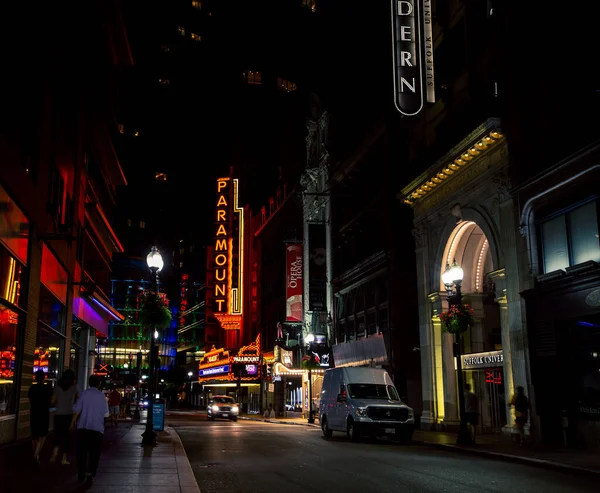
[(58, 182)]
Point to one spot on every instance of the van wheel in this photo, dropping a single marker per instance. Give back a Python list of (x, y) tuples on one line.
[(352, 432), (325, 428)]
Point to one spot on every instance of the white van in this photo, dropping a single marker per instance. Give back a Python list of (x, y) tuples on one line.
[(363, 402)]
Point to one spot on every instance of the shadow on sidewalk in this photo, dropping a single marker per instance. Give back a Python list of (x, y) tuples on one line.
[(19, 473)]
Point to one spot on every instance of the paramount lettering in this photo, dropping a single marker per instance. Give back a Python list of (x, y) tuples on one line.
[(221, 250)]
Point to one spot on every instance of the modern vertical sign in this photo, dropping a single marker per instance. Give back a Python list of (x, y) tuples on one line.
[(293, 286), (412, 53), (428, 51)]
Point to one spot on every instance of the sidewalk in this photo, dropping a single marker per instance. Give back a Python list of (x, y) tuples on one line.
[(497, 446), (125, 466)]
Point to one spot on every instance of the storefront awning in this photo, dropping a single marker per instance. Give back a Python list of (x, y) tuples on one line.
[(95, 311)]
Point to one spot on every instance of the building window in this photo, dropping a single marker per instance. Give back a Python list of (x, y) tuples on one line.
[(181, 30), (160, 176), (252, 77), (9, 324), (195, 37), (571, 237), (165, 48), (286, 85), (197, 4), (142, 225), (164, 81), (310, 5), (180, 265), (128, 222), (191, 248), (121, 128), (181, 251)]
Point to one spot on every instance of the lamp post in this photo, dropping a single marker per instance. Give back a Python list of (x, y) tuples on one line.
[(311, 419), (452, 279), (190, 375), (155, 264)]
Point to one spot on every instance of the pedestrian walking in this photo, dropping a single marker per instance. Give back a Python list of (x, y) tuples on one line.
[(521, 405), (114, 405), (40, 398), (471, 411), (90, 410), (65, 395)]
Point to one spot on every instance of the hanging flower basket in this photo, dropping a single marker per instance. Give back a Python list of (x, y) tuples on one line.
[(458, 319), (154, 311)]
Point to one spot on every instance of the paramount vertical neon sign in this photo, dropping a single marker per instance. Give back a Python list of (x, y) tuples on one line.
[(228, 255)]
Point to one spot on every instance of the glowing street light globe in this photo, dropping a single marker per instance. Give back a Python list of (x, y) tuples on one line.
[(154, 260), (453, 274), (309, 338)]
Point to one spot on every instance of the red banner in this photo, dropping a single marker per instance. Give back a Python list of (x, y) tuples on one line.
[(293, 286)]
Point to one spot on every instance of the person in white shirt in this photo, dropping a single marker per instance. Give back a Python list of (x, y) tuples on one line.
[(90, 410)]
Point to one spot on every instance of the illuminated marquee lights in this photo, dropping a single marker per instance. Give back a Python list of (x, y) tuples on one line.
[(228, 255), (214, 365), (248, 355)]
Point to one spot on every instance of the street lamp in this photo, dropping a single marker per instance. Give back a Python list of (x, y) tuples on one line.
[(452, 279), (309, 339), (155, 264)]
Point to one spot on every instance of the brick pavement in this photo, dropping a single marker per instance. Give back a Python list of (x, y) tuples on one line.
[(125, 466)]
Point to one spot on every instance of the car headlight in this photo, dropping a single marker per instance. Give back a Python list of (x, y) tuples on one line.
[(145, 403), (215, 409), (235, 409), (361, 411), (411, 413)]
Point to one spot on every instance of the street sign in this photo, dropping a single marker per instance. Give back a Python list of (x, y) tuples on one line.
[(158, 411)]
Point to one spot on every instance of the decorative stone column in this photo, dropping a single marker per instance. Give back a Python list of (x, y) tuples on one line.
[(436, 362), (498, 277)]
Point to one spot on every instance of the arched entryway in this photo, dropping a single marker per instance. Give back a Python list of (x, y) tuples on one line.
[(483, 370)]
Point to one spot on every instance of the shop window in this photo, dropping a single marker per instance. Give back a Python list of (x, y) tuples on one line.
[(286, 85), (52, 311), (570, 237), (53, 275), (14, 228), (47, 355), (11, 278), (9, 322)]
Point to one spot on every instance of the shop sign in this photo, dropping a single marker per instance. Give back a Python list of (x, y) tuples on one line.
[(294, 286), (246, 359), (215, 370), (407, 56), (475, 361)]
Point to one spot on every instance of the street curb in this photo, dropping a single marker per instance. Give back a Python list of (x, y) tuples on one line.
[(277, 422), (532, 461), (187, 480)]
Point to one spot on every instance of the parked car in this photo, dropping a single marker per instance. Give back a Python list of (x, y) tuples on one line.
[(223, 406), (364, 402)]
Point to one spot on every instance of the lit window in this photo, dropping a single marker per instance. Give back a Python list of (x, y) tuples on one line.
[(195, 37), (571, 238), (197, 4), (191, 248), (164, 81), (142, 225), (286, 85), (128, 222), (121, 128), (180, 265), (310, 4), (160, 177), (136, 133), (165, 48), (181, 251), (181, 30), (252, 77)]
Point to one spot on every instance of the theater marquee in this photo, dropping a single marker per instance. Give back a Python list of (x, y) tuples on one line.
[(412, 52), (228, 255)]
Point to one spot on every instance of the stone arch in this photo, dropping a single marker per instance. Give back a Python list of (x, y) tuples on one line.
[(461, 240)]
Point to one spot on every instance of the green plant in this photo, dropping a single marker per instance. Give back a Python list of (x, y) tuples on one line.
[(458, 319), (309, 362), (154, 311)]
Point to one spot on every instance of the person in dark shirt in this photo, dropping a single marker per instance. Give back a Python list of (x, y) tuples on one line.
[(521, 405), (40, 397)]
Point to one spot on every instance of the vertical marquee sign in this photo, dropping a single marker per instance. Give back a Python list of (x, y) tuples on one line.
[(412, 53), (293, 285), (228, 255)]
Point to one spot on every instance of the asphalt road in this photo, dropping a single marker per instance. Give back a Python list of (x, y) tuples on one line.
[(256, 457)]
